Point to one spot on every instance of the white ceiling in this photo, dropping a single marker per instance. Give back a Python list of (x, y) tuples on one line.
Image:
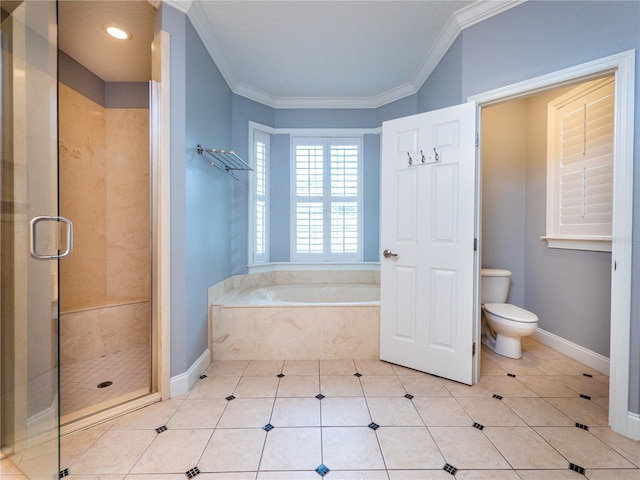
[(297, 53)]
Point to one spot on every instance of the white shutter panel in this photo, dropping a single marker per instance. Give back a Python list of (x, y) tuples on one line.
[(344, 199), (309, 205), (585, 167)]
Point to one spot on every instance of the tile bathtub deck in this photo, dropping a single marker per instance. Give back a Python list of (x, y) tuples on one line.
[(366, 427)]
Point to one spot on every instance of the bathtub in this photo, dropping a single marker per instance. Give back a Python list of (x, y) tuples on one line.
[(307, 294), (296, 321)]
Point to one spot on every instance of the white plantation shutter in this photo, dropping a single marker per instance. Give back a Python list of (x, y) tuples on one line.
[(344, 199), (260, 197), (582, 165), (326, 214)]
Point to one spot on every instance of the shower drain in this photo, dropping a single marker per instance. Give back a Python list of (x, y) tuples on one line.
[(105, 384)]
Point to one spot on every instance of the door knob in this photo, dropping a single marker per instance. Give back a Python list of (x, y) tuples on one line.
[(388, 253)]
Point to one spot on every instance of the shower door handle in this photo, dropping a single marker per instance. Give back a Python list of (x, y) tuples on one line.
[(33, 244)]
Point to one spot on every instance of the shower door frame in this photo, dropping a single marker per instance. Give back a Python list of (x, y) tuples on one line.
[(159, 139)]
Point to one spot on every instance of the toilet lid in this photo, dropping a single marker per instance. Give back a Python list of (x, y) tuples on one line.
[(510, 312)]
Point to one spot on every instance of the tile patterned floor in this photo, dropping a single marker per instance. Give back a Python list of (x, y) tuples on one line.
[(264, 421), (129, 371)]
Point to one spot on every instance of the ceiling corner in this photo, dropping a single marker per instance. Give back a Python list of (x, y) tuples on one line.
[(254, 94), (446, 38), (199, 21), (483, 9), (180, 5)]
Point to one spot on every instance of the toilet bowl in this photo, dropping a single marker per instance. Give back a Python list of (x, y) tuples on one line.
[(504, 324)]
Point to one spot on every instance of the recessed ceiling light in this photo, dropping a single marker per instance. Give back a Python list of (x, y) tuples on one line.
[(117, 32)]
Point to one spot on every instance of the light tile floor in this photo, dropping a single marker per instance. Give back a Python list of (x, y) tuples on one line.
[(529, 434)]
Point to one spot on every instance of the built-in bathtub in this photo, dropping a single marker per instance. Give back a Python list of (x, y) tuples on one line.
[(296, 316)]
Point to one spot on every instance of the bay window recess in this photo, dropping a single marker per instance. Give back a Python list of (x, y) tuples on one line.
[(580, 167), (326, 203)]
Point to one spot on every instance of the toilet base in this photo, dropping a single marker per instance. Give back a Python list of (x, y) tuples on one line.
[(503, 345)]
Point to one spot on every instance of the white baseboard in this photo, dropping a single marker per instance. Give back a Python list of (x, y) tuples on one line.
[(581, 354), (633, 426), (182, 383)]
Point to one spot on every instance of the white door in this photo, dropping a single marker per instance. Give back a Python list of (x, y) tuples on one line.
[(428, 181)]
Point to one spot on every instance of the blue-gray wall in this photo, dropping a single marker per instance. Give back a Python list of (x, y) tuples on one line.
[(533, 39), (173, 22), (209, 191), (201, 196)]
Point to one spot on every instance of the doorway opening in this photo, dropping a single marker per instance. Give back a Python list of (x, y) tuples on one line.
[(621, 66)]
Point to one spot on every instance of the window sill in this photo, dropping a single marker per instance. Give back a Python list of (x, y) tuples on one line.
[(593, 244), (300, 266)]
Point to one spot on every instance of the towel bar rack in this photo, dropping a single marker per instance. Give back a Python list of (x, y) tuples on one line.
[(225, 160)]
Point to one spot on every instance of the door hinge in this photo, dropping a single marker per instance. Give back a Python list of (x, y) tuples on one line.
[(477, 139), (473, 349), (475, 244)]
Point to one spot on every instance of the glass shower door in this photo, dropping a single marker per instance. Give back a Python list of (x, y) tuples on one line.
[(31, 239)]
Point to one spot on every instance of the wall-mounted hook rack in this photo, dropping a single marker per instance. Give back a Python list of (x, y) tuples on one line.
[(423, 160), (225, 160)]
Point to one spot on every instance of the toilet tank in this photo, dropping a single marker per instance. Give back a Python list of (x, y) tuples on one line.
[(494, 285)]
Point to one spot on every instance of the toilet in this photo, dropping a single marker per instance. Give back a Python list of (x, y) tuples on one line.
[(503, 324)]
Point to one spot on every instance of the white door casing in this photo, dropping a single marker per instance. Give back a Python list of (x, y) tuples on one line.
[(427, 314)]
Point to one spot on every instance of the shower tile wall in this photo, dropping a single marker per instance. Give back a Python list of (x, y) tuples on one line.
[(104, 190)]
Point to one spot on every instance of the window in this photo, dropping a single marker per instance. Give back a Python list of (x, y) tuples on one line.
[(580, 167), (326, 199), (260, 198)]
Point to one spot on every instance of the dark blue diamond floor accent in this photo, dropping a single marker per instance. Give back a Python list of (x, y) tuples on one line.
[(450, 469), (583, 427), (479, 426), (161, 429), (322, 470), (588, 375), (357, 374), (586, 397), (409, 396), (499, 397), (280, 375), (64, 473), (511, 375), (192, 472), (267, 427), (320, 396), (230, 397), (576, 468), (203, 376), (373, 426)]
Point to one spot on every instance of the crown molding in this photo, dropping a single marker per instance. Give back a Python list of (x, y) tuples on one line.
[(180, 5), (205, 31), (272, 101), (444, 41), (461, 19), (482, 10)]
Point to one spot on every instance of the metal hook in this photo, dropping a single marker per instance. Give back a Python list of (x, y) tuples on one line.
[(423, 159), (410, 159), (437, 156)]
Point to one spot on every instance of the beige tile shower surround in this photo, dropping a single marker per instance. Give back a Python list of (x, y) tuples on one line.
[(529, 434), (104, 190)]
